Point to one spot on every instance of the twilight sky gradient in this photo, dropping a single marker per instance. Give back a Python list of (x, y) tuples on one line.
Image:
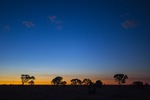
[(74, 39)]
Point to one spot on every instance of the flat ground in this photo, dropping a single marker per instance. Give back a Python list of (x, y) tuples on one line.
[(73, 93)]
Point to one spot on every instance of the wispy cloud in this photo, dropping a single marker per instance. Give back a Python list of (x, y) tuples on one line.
[(28, 24), (57, 22), (59, 25), (127, 24), (52, 19), (6, 28)]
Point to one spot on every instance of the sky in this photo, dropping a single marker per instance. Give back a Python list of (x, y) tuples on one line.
[(93, 39)]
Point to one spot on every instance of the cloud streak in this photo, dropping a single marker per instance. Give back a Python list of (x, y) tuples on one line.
[(28, 24), (58, 23), (127, 24)]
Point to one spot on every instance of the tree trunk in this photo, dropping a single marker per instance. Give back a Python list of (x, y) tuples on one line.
[(119, 82)]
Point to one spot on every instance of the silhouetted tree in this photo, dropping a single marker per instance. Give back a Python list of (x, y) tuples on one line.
[(98, 84), (25, 78), (57, 80), (79, 82), (32, 78), (121, 78), (87, 82), (76, 81)]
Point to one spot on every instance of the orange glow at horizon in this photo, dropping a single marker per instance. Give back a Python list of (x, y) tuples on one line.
[(46, 80), (37, 82)]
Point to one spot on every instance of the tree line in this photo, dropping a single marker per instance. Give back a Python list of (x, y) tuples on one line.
[(119, 78)]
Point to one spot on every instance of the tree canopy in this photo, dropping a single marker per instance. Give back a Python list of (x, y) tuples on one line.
[(25, 78), (76, 81), (57, 80), (120, 78), (87, 82)]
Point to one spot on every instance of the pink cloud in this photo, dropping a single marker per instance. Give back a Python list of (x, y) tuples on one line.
[(58, 23), (6, 28), (28, 24), (52, 19), (127, 24)]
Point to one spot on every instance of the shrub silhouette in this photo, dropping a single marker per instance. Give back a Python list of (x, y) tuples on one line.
[(120, 78), (98, 84), (76, 81), (31, 82), (25, 78), (138, 84), (63, 83), (146, 84), (57, 80)]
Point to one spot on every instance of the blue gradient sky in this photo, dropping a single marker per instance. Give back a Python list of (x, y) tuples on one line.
[(75, 38)]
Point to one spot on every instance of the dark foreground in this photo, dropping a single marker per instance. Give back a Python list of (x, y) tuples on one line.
[(73, 93)]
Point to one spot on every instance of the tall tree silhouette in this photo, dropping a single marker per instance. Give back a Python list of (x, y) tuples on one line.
[(120, 78), (87, 82), (57, 80), (76, 81), (25, 78)]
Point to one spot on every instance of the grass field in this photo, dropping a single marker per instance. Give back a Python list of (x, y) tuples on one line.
[(44, 92)]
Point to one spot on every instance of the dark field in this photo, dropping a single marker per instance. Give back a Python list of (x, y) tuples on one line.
[(73, 93)]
